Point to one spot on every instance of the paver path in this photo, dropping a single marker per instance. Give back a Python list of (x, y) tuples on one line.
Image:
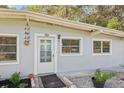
[(115, 82), (82, 82), (86, 82)]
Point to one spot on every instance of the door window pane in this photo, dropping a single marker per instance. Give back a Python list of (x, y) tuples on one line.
[(48, 47), (48, 42), (48, 56), (42, 47), (45, 51)]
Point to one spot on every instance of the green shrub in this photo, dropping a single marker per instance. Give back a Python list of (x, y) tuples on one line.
[(6, 86), (101, 76), (23, 85), (15, 78), (112, 74)]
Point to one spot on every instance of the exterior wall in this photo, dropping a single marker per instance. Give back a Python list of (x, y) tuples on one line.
[(87, 61), (26, 56)]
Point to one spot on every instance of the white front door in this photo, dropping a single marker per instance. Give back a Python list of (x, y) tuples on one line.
[(46, 50)]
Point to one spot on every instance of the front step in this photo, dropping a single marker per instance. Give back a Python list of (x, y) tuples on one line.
[(44, 74), (52, 81)]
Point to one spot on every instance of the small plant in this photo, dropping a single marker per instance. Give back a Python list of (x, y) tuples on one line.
[(101, 76), (15, 78), (23, 85)]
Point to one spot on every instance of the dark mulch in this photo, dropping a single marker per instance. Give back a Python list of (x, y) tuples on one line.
[(10, 85), (52, 81)]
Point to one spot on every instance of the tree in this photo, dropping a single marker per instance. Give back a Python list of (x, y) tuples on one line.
[(35, 8), (102, 14), (63, 11), (4, 6), (113, 23), (98, 15)]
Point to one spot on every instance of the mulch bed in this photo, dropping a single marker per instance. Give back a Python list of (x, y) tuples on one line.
[(10, 85)]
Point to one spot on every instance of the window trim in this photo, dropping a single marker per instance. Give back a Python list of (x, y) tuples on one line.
[(17, 48), (110, 53), (72, 54)]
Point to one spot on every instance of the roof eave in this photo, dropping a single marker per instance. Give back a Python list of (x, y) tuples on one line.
[(19, 14)]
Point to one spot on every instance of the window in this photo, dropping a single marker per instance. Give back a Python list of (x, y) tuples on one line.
[(101, 46), (96, 46), (8, 48), (71, 46), (106, 46)]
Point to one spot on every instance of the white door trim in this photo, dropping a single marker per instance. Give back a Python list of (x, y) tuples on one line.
[(36, 52)]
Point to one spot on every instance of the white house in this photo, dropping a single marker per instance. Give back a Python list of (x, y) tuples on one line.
[(36, 43)]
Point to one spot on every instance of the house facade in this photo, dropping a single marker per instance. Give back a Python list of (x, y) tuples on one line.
[(35, 43)]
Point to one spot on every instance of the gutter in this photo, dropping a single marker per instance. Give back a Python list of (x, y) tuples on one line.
[(32, 16)]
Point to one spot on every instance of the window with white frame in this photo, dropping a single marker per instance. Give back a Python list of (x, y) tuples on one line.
[(8, 48), (71, 46), (101, 46)]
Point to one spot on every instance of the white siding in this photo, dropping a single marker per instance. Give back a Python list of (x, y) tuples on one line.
[(65, 63)]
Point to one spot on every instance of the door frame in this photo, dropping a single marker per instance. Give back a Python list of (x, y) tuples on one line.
[(36, 52)]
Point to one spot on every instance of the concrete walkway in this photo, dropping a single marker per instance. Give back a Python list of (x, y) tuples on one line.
[(83, 80)]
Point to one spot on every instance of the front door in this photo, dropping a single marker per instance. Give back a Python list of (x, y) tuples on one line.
[(46, 52)]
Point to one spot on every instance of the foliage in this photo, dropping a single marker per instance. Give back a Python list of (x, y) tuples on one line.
[(6, 86), (63, 11), (97, 15), (112, 74), (113, 23), (111, 16), (101, 76), (23, 85), (15, 78), (4, 6), (35, 8), (15, 81)]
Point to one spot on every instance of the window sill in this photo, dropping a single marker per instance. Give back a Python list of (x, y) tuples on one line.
[(9, 63), (71, 54), (103, 54)]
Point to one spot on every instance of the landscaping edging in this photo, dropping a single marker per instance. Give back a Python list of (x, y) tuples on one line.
[(34, 82), (67, 82)]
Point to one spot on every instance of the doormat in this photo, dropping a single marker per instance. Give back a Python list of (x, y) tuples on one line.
[(52, 81)]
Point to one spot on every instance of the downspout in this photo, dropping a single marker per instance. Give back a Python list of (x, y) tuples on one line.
[(58, 52)]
